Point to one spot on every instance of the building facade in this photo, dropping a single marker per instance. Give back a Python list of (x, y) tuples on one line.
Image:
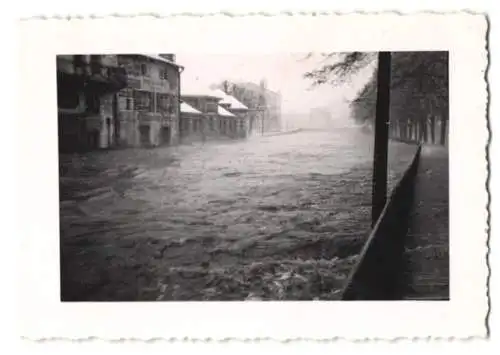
[(84, 85), (220, 116), (107, 101), (149, 107), (264, 105), (227, 121), (191, 124), (205, 126), (239, 125)]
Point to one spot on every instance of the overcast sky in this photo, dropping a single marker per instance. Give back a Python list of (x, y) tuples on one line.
[(283, 72)]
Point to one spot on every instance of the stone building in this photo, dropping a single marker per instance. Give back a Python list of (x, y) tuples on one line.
[(148, 109), (227, 120), (85, 113), (191, 123), (222, 116), (125, 100), (208, 125), (240, 123)]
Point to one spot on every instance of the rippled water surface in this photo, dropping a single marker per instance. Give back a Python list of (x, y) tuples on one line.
[(274, 217)]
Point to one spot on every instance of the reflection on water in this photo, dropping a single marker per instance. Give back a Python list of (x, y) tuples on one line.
[(279, 217)]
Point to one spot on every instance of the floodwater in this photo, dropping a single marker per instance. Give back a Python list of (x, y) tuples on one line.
[(268, 218)]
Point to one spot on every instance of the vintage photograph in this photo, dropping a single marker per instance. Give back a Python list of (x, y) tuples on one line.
[(254, 177)]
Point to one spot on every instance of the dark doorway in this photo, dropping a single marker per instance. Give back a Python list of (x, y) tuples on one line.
[(165, 135), (108, 130), (93, 139), (144, 133), (82, 141), (116, 121)]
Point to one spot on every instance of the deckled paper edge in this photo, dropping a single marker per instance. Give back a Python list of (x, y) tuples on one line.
[(247, 14)]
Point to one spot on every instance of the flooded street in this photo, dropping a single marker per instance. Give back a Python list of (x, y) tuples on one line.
[(273, 217)]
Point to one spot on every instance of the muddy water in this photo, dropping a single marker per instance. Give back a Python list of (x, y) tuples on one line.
[(276, 217)]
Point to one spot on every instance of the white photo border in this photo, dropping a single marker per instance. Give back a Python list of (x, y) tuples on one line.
[(43, 315)]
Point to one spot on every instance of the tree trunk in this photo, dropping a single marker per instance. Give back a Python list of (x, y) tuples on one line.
[(421, 130), (379, 181), (444, 122), (417, 131), (433, 128), (411, 131), (402, 130), (116, 121), (425, 129)]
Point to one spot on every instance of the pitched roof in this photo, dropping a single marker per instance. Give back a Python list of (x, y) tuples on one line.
[(230, 100), (223, 112), (221, 94), (185, 108)]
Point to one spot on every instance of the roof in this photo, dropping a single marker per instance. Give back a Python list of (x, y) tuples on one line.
[(185, 108), (230, 100), (199, 92), (223, 112), (221, 94), (160, 59)]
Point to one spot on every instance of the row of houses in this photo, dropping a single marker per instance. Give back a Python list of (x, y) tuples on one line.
[(134, 100), (265, 104)]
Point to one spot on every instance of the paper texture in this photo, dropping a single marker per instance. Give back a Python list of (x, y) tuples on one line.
[(44, 316)]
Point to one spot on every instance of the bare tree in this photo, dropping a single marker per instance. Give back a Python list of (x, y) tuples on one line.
[(419, 90)]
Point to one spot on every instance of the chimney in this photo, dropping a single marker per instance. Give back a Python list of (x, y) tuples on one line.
[(168, 56)]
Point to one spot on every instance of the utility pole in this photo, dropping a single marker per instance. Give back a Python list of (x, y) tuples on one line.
[(263, 101), (263, 116), (381, 144)]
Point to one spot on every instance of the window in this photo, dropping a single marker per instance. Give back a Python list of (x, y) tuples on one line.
[(93, 104), (95, 64), (133, 68), (167, 103), (144, 69), (164, 103), (143, 101), (105, 72), (174, 104), (163, 74), (211, 107), (126, 99)]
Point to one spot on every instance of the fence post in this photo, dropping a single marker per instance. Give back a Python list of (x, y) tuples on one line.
[(379, 181)]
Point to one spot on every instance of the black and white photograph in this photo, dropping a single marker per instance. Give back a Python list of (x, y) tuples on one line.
[(254, 177)]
